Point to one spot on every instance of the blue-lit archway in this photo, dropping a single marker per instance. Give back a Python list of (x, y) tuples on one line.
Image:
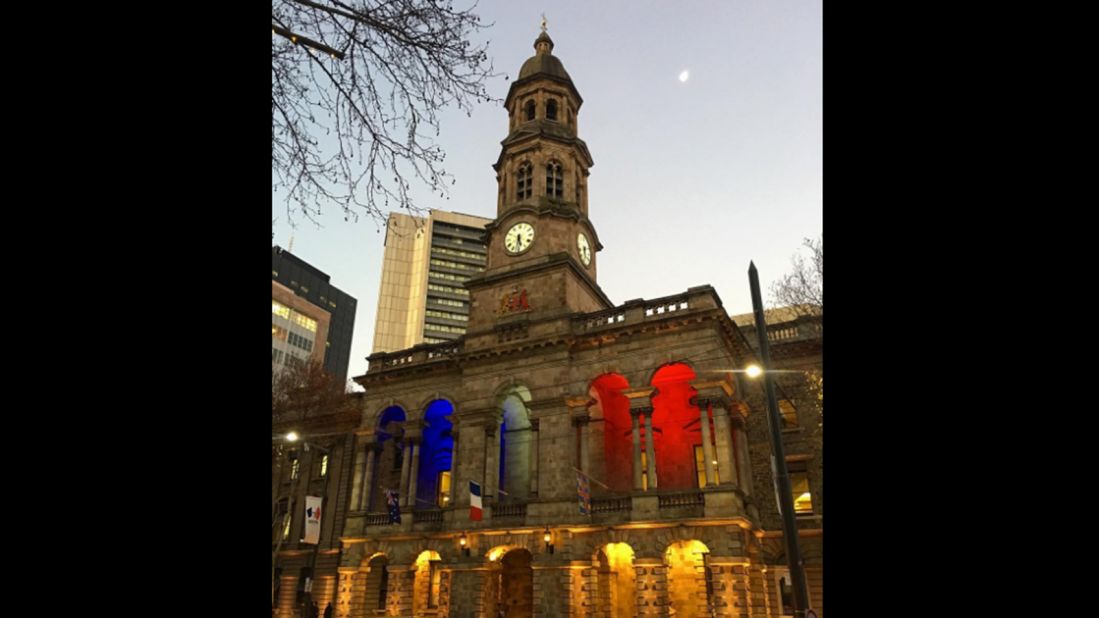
[(387, 467), (436, 454)]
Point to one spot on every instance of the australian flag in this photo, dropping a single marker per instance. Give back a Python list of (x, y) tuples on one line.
[(394, 506)]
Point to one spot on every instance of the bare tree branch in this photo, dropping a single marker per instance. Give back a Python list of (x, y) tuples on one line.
[(803, 289), (355, 132)]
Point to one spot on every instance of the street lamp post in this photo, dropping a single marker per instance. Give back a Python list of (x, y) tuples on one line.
[(308, 596), (785, 496)]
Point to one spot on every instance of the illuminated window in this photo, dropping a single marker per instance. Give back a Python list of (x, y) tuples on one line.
[(444, 329), (789, 413), (644, 471), (286, 526), (305, 322), (700, 466), (799, 486), (278, 332), (294, 469), (280, 309), (446, 315), (324, 465), (555, 184), (443, 497)]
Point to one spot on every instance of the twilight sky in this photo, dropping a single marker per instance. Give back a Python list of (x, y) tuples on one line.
[(692, 179)]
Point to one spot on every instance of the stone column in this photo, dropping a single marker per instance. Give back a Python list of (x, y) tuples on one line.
[(651, 587), (367, 481), (634, 414), (467, 591), (453, 467), (406, 463), (743, 459), (398, 597), (413, 473), (704, 407), (553, 591), (492, 464), (726, 465), (728, 577), (650, 448), (534, 452), (582, 424), (358, 604)]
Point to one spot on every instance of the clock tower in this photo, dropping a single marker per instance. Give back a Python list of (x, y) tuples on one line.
[(541, 263)]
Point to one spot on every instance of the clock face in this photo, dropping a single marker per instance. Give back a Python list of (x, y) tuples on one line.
[(519, 238), (584, 248)]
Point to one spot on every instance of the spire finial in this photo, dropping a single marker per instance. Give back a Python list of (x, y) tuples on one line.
[(543, 22)]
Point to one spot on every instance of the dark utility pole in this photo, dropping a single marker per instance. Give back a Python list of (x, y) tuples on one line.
[(785, 497), (308, 596)]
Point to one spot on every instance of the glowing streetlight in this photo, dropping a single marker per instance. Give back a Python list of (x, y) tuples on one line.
[(753, 371), (292, 436)]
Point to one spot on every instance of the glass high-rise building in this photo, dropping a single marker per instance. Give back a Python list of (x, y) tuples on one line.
[(426, 264)]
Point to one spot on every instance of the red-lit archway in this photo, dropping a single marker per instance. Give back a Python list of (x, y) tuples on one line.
[(607, 391), (676, 427)]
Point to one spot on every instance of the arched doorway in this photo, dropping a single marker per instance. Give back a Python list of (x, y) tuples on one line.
[(512, 585), (688, 568), (615, 581), (377, 584)]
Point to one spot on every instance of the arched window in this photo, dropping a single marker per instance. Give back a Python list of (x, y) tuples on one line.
[(551, 109), (436, 450), (555, 183), (530, 110), (524, 181), (515, 449)]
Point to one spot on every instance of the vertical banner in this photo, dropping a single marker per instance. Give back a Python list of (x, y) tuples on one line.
[(474, 501), (312, 520), (583, 493)]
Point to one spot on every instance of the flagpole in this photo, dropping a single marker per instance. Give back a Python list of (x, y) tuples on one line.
[(591, 478)]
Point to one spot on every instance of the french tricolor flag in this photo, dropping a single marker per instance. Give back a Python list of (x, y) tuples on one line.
[(474, 501)]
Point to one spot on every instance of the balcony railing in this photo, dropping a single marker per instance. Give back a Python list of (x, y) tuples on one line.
[(514, 509), (610, 505), (684, 499), (377, 519), (427, 515)]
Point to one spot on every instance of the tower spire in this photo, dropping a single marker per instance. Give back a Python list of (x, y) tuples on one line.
[(543, 22)]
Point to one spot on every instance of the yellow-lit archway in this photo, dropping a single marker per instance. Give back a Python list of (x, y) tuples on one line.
[(688, 593), (615, 580), (426, 583)]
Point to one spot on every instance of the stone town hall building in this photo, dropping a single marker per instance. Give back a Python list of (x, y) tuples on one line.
[(551, 378)]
